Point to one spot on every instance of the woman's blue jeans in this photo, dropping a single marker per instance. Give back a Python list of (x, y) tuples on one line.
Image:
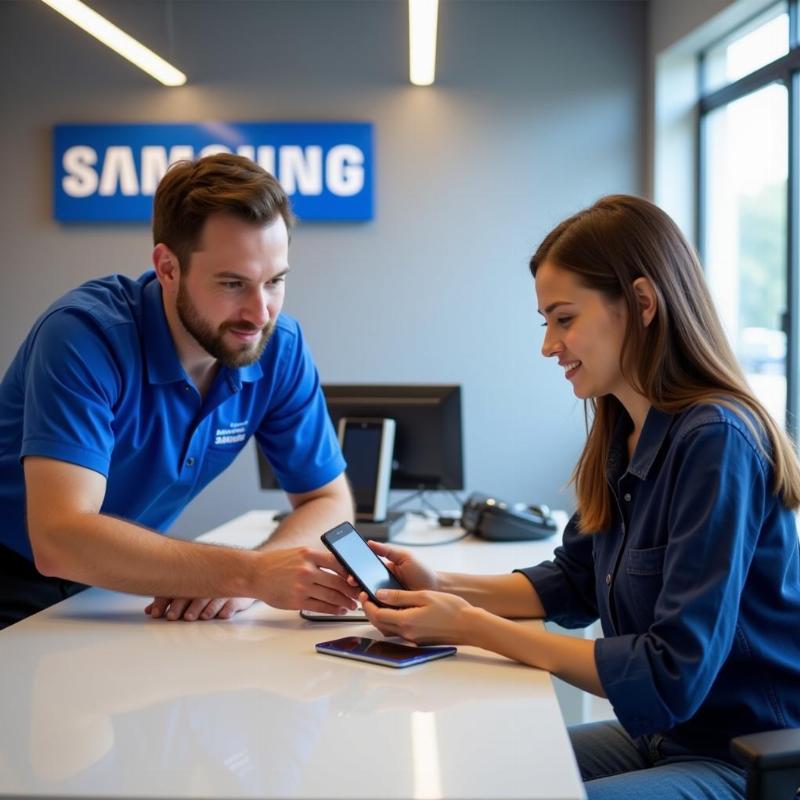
[(614, 766)]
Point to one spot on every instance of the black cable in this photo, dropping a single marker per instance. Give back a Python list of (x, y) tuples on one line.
[(422, 496), (456, 497), (398, 503), (429, 504), (458, 538)]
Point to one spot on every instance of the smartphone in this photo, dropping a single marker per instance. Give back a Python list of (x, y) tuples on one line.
[(387, 654), (356, 615), (367, 445), (352, 552)]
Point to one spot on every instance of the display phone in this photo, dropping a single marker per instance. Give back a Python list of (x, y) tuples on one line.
[(368, 445), (357, 615), (376, 651), (353, 553)]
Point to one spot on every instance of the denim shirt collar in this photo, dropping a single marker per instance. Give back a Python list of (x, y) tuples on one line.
[(652, 438)]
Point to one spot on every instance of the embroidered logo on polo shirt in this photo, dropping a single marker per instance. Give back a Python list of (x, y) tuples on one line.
[(232, 433)]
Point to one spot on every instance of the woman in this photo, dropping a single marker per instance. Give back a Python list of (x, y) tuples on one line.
[(684, 541)]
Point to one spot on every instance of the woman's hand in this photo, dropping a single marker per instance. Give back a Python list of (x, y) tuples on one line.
[(411, 573), (422, 617)]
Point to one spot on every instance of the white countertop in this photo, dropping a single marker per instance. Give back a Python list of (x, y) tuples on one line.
[(98, 700)]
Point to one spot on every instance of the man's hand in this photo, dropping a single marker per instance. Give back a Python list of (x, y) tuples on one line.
[(294, 578), (303, 578), (203, 608)]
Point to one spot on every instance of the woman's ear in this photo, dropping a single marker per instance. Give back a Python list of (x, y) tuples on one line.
[(646, 297)]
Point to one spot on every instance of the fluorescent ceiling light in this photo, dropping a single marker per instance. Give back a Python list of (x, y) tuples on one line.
[(422, 18), (119, 41)]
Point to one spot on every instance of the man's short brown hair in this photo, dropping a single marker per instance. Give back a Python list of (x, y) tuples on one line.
[(192, 191)]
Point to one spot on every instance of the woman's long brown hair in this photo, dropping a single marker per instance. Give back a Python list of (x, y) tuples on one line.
[(682, 358)]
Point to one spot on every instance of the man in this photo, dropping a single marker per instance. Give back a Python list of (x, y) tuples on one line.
[(129, 396)]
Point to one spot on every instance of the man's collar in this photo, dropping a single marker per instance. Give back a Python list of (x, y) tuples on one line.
[(249, 374), (163, 364)]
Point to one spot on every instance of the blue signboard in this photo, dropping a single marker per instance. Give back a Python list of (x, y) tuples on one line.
[(110, 172)]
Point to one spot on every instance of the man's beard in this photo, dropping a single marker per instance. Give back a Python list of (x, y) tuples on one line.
[(212, 341)]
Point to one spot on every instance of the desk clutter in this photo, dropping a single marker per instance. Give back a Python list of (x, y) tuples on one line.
[(481, 515), (497, 520), (401, 437)]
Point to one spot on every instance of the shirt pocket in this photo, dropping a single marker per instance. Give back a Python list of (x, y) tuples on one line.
[(646, 561), (215, 461)]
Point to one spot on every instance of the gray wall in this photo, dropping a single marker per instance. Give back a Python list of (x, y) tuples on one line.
[(672, 20), (537, 110), (693, 24)]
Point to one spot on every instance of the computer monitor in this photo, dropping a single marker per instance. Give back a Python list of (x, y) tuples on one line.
[(428, 450)]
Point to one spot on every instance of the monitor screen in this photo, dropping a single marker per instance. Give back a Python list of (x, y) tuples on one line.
[(427, 443)]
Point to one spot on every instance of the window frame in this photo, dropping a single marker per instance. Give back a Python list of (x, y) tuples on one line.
[(786, 71)]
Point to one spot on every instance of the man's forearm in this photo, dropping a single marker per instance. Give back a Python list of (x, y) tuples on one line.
[(104, 551), (310, 520)]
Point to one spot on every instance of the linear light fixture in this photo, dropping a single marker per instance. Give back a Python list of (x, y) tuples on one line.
[(422, 19), (119, 41)]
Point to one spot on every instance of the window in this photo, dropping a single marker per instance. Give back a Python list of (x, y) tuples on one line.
[(747, 200), (764, 39)]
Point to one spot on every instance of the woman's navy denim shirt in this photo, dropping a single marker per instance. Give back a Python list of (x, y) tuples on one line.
[(696, 582)]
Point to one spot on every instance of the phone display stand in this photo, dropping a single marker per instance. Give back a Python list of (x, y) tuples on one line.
[(383, 531), (367, 445)]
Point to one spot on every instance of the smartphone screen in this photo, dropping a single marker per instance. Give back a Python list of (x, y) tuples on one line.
[(354, 555), (388, 654)]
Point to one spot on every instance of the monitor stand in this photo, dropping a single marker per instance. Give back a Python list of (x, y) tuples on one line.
[(383, 531)]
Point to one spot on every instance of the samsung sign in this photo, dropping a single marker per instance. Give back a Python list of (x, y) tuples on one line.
[(110, 173)]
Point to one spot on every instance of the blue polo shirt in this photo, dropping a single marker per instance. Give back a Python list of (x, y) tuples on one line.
[(98, 383), (696, 583)]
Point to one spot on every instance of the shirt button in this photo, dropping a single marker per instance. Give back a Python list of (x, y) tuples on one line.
[(608, 579), (627, 497), (190, 461)]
